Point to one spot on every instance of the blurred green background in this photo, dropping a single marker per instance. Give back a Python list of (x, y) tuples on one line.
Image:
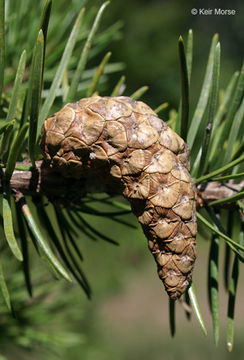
[(149, 43), (127, 318)]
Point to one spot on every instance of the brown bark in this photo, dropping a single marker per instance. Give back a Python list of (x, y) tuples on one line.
[(217, 190)]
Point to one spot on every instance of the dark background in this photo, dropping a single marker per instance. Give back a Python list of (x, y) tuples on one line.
[(149, 43)]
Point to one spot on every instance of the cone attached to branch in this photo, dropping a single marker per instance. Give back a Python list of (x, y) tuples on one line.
[(124, 144)]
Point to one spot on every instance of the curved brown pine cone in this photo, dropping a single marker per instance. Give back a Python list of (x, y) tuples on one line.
[(123, 143)]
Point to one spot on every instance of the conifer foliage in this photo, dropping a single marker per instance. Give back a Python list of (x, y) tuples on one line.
[(51, 71)]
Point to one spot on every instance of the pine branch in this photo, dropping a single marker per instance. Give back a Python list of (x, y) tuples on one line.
[(217, 190), (44, 181)]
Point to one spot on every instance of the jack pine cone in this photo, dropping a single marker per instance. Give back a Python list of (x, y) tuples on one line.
[(124, 144)]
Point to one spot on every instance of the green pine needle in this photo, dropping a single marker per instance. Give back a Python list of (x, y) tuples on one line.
[(212, 175), (189, 54), (161, 107), (60, 71), (17, 86), (7, 213), (2, 44), (213, 99), (84, 55), (96, 232), (203, 99), (233, 198), (233, 245), (237, 97), (93, 85), (4, 289), (14, 152), (184, 90), (118, 87), (234, 132), (139, 93), (231, 304), (70, 260), (172, 317), (228, 177), (24, 246), (35, 87), (6, 126), (7, 133), (213, 286), (42, 243), (196, 308), (222, 110), (238, 234), (44, 19), (8, 223)]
